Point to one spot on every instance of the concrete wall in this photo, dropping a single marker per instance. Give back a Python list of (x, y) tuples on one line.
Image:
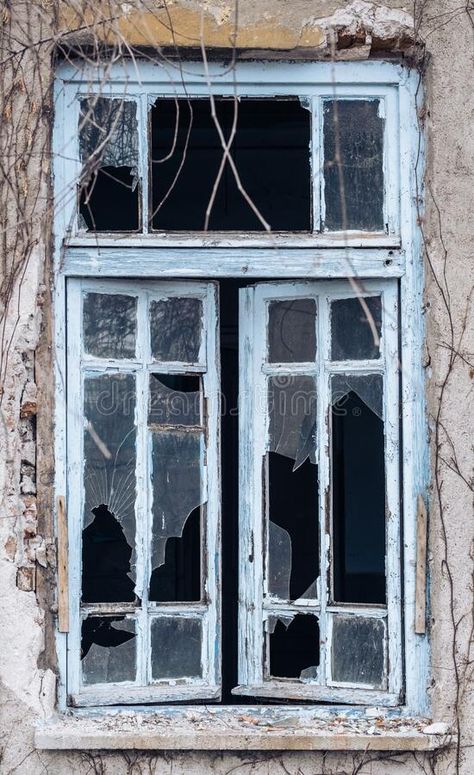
[(441, 41)]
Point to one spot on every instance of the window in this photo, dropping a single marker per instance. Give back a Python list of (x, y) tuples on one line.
[(234, 253)]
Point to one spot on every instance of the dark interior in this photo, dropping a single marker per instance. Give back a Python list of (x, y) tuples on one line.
[(270, 150)]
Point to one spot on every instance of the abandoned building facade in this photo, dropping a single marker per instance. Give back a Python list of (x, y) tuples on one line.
[(236, 370)]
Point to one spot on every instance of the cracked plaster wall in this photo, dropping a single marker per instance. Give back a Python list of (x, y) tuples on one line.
[(27, 664)]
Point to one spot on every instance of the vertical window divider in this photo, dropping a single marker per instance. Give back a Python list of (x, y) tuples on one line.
[(315, 164), (143, 529), (324, 499), (145, 159)]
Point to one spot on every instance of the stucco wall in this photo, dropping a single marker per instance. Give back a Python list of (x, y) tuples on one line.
[(27, 557)]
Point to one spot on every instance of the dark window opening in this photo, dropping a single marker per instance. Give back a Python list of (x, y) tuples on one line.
[(270, 150), (109, 200), (294, 647), (358, 500), (106, 560)]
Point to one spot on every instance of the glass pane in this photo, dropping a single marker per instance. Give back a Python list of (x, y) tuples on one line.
[(177, 498), (175, 329), (358, 489), (108, 147), (354, 186), (271, 154), (108, 649), (294, 647), (356, 331), (175, 399), (108, 538), (110, 325), (292, 417), (358, 651), (176, 648), (292, 331)]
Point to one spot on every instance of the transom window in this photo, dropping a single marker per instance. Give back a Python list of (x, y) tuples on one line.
[(232, 251)]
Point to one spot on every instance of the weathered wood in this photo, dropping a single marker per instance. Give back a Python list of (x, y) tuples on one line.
[(63, 581), (421, 546)]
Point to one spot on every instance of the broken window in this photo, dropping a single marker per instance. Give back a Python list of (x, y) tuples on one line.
[(195, 187), (276, 406), (326, 504), (148, 468), (108, 148)]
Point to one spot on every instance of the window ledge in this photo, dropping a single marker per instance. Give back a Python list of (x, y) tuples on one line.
[(239, 728)]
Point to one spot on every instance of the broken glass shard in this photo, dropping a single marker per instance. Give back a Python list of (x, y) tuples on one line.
[(355, 334), (175, 399), (367, 387), (177, 459), (292, 417), (175, 329), (292, 331), (176, 647), (294, 649), (358, 491), (279, 562), (108, 649), (358, 651), (110, 325), (179, 578), (293, 541), (109, 476), (106, 559), (108, 147), (353, 165)]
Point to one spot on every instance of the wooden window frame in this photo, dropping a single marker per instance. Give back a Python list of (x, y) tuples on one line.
[(395, 256)]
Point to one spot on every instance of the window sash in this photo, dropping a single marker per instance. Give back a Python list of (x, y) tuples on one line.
[(208, 610), (254, 608)]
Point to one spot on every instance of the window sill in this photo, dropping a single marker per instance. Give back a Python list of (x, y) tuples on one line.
[(240, 728)]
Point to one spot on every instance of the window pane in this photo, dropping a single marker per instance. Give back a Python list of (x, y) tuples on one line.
[(108, 538), (354, 185), (175, 329), (358, 650), (292, 417), (358, 489), (292, 331), (175, 399), (294, 647), (108, 147), (108, 649), (355, 333), (177, 498), (270, 150), (176, 648), (110, 325)]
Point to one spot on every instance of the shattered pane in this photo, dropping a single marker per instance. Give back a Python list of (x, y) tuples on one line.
[(279, 561), (176, 647), (292, 417), (355, 335), (108, 146), (175, 399), (179, 578), (293, 540), (110, 325), (294, 648), (358, 492), (358, 651), (109, 483), (175, 329), (177, 487), (367, 387), (108, 649), (292, 331), (354, 183)]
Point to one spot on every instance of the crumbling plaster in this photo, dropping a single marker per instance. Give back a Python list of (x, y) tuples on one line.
[(27, 604)]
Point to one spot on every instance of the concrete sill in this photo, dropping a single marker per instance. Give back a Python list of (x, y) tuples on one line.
[(242, 728)]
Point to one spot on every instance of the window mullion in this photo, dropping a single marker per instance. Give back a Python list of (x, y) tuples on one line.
[(143, 475), (324, 481)]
